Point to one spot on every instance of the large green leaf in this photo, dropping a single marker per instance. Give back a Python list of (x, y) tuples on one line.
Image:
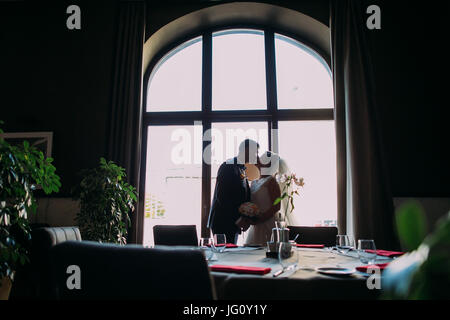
[(411, 225)]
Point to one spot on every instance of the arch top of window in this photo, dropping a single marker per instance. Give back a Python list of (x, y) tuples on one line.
[(303, 78), (175, 83)]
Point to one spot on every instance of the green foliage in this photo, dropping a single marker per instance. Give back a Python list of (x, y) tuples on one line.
[(425, 272), (432, 279), (291, 185), (106, 200), (21, 169), (411, 225), (154, 208)]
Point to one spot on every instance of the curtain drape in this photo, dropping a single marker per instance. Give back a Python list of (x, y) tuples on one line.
[(126, 103), (365, 205)]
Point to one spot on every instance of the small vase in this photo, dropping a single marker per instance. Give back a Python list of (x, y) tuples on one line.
[(281, 224)]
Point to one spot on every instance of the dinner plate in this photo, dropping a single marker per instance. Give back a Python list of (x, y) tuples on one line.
[(336, 271)]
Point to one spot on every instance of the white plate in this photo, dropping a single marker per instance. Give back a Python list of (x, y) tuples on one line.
[(336, 271)]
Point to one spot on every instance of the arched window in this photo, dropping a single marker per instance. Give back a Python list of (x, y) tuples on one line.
[(212, 92)]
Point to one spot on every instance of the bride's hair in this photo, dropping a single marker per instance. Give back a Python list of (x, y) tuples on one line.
[(277, 165)]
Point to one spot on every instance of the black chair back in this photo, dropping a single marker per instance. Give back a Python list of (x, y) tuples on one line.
[(314, 235), (33, 280), (109, 271), (175, 235)]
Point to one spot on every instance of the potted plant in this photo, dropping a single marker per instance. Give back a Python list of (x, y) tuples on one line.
[(22, 168), (424, 272), (106, 200)]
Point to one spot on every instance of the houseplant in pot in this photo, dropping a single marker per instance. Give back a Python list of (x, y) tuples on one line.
[(106, 200), (22, 168)]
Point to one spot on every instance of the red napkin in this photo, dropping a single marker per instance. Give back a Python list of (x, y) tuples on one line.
[(386, 253), (228, 245), (240, 269), (320, 246), (382, 266)]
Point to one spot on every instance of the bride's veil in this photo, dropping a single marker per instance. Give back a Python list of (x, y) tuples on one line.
[(283, 169), (280, 166)]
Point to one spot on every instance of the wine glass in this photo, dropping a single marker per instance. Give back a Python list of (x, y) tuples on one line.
[(219, 243), (206, 246), (344, 243), (367, 251), (287, 255)]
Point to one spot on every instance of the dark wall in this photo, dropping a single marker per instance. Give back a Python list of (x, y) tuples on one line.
[(54, 79), (160, 13), (411, 67)]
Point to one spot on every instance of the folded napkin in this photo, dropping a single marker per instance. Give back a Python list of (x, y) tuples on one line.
[(364, 268), (240, 269), (386, 253), (320, 246), (228, 245)]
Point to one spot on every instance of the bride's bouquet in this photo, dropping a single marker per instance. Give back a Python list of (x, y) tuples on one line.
[(249, 210)]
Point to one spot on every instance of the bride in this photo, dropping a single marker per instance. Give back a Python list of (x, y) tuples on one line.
[(264, 191)]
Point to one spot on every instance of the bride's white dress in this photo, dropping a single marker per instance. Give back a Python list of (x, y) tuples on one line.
[(260, 233)]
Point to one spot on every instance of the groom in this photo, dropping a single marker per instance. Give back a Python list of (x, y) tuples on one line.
[(232, 190)]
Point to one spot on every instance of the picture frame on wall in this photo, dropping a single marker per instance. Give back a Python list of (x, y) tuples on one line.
[(43, 141)]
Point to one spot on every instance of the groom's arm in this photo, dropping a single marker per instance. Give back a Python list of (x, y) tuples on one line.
[(224, 187)]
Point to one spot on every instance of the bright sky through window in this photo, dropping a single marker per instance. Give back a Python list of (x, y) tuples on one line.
[(173, 187)]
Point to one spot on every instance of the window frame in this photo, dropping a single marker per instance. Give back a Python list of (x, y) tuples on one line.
[(272, 115)]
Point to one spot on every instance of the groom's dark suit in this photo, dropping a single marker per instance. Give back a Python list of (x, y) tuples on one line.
[(231, 191)]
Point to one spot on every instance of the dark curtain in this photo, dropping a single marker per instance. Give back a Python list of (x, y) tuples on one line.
[(365, 205), (126, 104)]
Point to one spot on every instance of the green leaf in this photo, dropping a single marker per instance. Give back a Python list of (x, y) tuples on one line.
[(411, 225)]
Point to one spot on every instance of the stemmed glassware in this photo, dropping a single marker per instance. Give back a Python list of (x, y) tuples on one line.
[(344, 243), (206, 246), (288, 256), (367, 251), (219, 243)]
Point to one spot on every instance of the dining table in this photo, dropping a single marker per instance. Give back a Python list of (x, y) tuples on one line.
[(304, 276), (304, 281)]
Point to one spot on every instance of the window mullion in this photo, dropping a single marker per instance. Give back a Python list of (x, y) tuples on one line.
[(271, 88), (206, 109)]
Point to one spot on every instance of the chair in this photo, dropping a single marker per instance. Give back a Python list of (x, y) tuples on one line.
[(33, 279), (175, 235), (314, 235), (110, 271)]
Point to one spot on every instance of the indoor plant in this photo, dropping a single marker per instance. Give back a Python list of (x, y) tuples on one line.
[(22, 167), (424, 273), (290, 185), (106, 200)]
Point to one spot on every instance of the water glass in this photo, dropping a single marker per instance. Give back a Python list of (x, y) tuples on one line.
[(219, 243), (366, 251), (344, 243), (206, 246), (287, 255)]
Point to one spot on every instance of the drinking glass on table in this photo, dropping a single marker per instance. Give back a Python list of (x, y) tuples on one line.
[(206, 246), (288, 255), (366, 251), (344, 243), (219, 243)]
